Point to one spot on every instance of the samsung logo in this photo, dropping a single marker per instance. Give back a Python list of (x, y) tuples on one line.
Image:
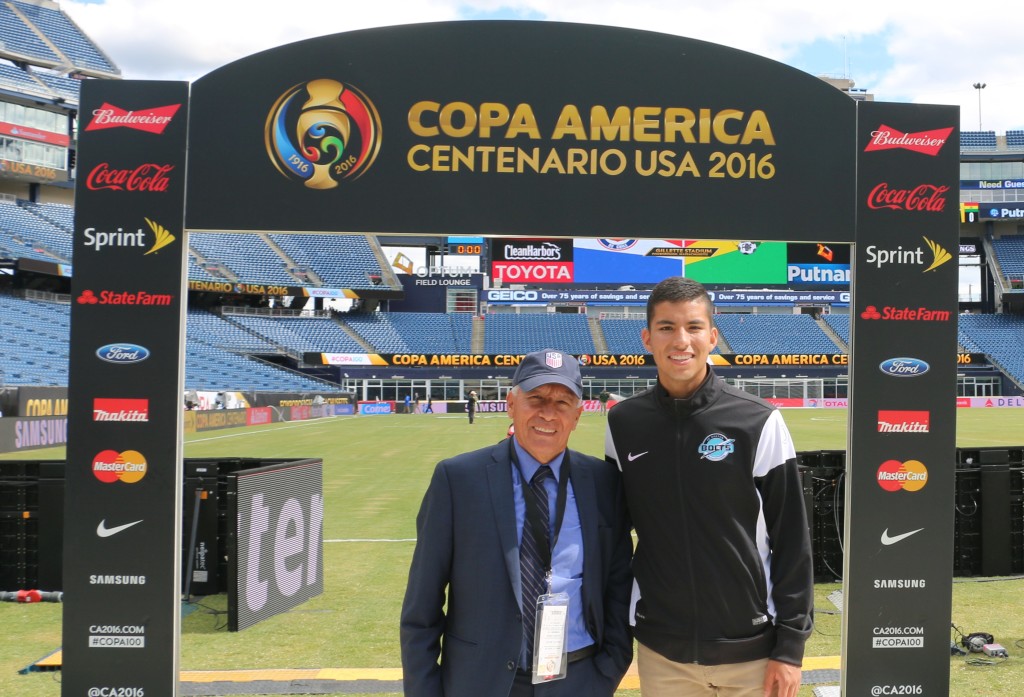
[(122, 353), (904, 367)]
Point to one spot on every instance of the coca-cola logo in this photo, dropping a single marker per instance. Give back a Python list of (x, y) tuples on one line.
[(145, 177), (153, 120), (923, 197), (925, 142)]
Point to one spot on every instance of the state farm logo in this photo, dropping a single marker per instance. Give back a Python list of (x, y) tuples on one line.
[(127, 297), (915, 256), (149, 177), (98, 239), (891, 421), (133, 410), (888, 313), (894, 475), (923, 197), (153, 120), (110, 466), (925, 142)]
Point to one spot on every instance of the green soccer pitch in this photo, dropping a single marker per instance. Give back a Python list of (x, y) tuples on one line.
[(376, 469)]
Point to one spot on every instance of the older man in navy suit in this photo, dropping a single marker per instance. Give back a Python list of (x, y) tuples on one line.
[(496, 522)]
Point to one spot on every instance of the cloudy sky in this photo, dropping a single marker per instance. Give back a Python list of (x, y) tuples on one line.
[(898, 50)]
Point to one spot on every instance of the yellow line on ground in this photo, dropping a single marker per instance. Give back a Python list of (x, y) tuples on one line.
[(629, 682)]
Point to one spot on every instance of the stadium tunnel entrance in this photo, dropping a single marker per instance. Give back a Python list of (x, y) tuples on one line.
[(589, 132)]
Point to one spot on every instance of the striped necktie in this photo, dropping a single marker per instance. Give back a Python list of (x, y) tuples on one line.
[(531, 565)]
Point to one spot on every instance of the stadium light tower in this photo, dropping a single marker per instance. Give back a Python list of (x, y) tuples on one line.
[(979, 86)]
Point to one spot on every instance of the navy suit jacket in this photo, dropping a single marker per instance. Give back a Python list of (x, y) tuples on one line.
[(467, 545)]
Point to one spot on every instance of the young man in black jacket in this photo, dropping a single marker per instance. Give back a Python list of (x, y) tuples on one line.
[(723, 593)]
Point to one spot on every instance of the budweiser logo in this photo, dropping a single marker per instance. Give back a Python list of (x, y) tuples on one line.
[(145, 177), (923, 197), (926, 142), (153, 120)]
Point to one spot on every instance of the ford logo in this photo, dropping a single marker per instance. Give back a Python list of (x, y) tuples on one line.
[(122, 353), (904, 367)]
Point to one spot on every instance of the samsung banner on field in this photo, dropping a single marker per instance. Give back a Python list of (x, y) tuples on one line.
[(278, 513)]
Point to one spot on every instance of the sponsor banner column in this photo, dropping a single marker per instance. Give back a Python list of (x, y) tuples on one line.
[(901, 451), (122, 533)]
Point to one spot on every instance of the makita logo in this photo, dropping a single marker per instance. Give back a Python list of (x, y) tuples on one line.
[(923, 197), (548, 251), (924, 142), (123, 410), (152, 120), (904, 421)]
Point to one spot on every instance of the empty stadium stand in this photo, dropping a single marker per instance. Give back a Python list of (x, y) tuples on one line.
[(774, 334), (1015, 139), (29, 233), (341, 261), (623, 335), (1009, 252), (980, 140), (508, 333), (1001, 337), (413, 332)]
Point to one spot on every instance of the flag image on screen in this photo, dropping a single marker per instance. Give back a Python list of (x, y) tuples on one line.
[(623, 260)]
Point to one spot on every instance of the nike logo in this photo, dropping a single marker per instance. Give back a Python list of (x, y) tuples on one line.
[(632, 457), (886, 540), (103, 531)]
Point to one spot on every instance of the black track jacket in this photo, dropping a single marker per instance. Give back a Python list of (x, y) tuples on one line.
[(723, 569)]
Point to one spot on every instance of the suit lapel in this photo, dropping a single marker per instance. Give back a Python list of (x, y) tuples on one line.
[(584, 488), (499, 482)]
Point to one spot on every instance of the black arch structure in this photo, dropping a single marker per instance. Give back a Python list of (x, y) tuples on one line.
[(527, 129)]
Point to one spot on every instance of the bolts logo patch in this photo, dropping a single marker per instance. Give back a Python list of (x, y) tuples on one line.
[(322, 132), (716, 447)]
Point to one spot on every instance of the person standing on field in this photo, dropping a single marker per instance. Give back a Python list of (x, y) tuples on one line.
[(519, 583), (471, 405), (723, 593)]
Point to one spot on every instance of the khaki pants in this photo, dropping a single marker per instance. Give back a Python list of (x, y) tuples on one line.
[(660, 677)]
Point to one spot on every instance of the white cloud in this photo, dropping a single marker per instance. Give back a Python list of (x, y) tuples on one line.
[(930, 54)]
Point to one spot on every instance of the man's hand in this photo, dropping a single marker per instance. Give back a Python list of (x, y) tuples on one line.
[(781, 679)]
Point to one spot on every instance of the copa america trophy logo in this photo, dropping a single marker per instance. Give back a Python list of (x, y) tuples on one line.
[(322, 132)]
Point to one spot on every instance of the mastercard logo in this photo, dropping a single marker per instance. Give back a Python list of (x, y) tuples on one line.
[(894, 475), (110, 466)]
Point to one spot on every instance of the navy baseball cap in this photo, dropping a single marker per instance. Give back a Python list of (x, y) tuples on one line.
[(548, 366)]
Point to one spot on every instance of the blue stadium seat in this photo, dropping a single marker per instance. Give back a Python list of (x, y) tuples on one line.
[(1000, 336), (523, 333), (774, 334), (67, 37)]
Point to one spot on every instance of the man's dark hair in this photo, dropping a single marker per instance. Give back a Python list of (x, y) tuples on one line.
[(676, 289)]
